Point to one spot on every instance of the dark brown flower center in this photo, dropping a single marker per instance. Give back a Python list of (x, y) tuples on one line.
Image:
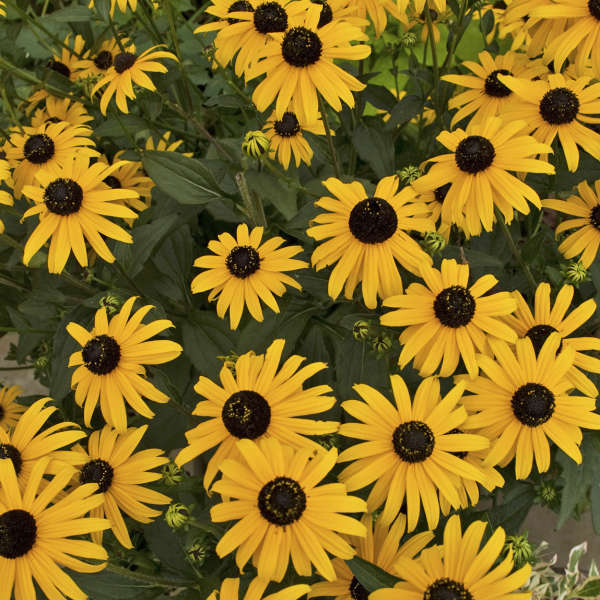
[(242, 261), (373, 221), (474, 154), (59, 67), (103, 60), (533, 404), (326, 13), (63, 197), (594, 8), (282, 501), (2, 413), (38, 149), (494, 87), (357, 591), (447, 589), (454, 306), (413, 441), (288, 126), (559, 106), (270, 17), (97, 471), (538, 334), (124, 61), (101, 354), (246, 414), (112, 182), (595, 217), (240, 6), (18, 532), (301, 47), (9, 451)]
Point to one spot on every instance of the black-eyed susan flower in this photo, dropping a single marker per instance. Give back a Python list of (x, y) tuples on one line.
[(243, 271), (299, 64), (41, 533), (71, 201), (129, 68), (245, 28), (262, 400), (446, 319), (408, 449), (368, 237), (98, 63), (585, 207), (27, 443), (282, 512), (559, 106), (523, 399), (110, 365), (119, 472), (382, 546), (10, 411), (459, 569), (61, 109), (230, 590), (478, 170), (51, 145), (545, 319), (486, 95), (287, 139)]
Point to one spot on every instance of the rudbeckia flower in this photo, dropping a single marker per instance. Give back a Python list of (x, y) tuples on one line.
[(97, 64), (62, 109)]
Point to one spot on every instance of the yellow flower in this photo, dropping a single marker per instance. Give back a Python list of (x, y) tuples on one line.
[(98, 64), (61, 109), (10, 411)]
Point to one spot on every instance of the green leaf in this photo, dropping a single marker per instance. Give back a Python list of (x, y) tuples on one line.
[(590, 589), (575, 556), (275, 191), (71, 14), (108, 586), (118, 128), (380, 97), (408, 108), (370, 576), (185, 179), (167, 545), (376, 148)]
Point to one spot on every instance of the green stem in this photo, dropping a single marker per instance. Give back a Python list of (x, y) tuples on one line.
[(115, 265), (76, 283), (513, 247), (149, 579), (18, 368), (10, 241), (115, 33), (293, 182), (334, 158), (252, 203), (434, 56), (175, 39)]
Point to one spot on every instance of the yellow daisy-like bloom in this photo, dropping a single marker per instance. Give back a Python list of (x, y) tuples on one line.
[(282, 511), (263, 400), (369, 236), (477, 169), (97, 65), (409, 449), (382, 547), (5, 197), (558, 106), (10, 411), (119, 472), (287, 139), (71, 202), (459, 569), (547, 320), (434, 200), (377, 10), (37, 538), (524, 400), (110, 365), (487, 96), (586, 209), (230, 590), (446, 319), (61, 109), (247, 32), (245, 271), (165, 144), (26, 444), (45, 147), (129, 68), (299, 64)]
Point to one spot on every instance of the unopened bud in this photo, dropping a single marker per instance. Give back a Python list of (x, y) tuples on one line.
[(408, 39), (433, 242), (111, 303), (177, 515), (172, 474), (255, 144), (381, 343), (360, 330), (522, 549), (409, 174), (575, 273)]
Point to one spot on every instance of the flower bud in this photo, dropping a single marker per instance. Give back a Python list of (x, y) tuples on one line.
[(172, 474), (255, 144), (381, 343), (177, 515), (433, 242), (522, 549), (360, 330), (409, 174)]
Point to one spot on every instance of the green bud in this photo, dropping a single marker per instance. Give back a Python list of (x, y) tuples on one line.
[(172, 474), (522, 549), (381, 343), (409, 174), (575, 273), (229, 361), (409, 39), (360, 330), (41, 362), (255, 144), (111, 303), (198, 551), (547, 493), (433, 242), (177, 515), (328, 441)]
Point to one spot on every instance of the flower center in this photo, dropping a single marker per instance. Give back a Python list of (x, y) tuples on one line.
[(38, 149), (63, 196), (282, 501), (458, 454), (240, 6), (97, 471), (496, 88), (538, 334), (454, 306), (357, 591), (413, 441), (59, 67), (101, 354), (9, 451), (242, 261), (301, 47), (326, 13), (124, 61), (595, 217), (440, 193), (533, 404), (112, 182), (270, 17), (18, 532), (103, 60), (246, 414), (288, 126), (1, 413), (474, 154), (447, 589), (559, 106), (594, 8), (373, 221)]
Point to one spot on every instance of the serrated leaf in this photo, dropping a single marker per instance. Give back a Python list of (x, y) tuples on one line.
[(370, 576)]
